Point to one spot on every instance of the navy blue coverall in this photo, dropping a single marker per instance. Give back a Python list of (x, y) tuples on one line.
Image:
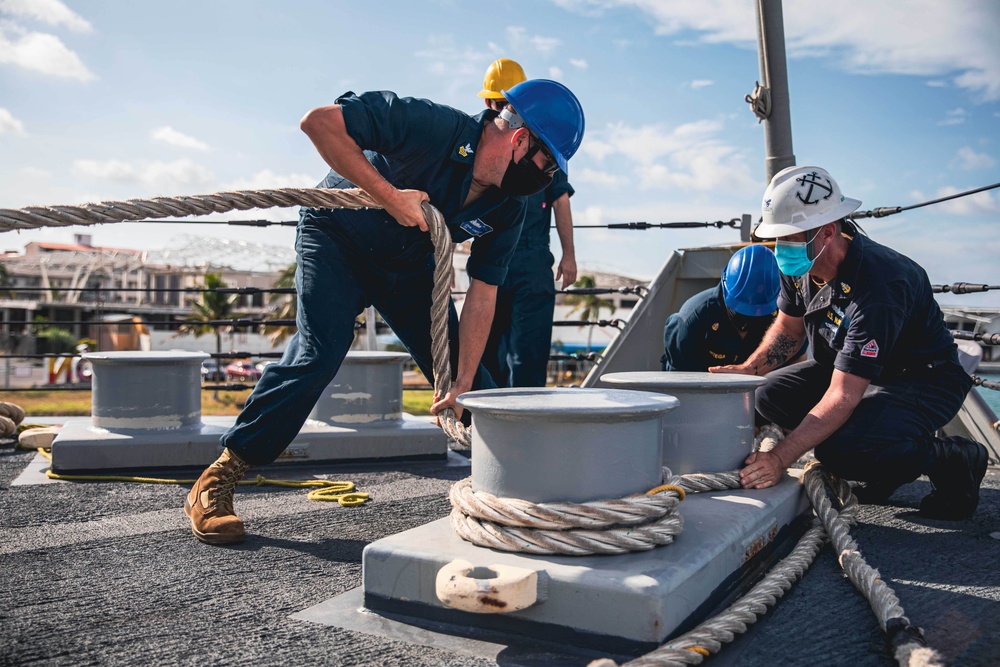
[(700, 335), (348, 260), (517, 352), (877, 320)]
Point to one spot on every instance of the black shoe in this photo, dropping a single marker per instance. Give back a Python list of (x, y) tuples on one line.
[(874, 493), (958, 471)]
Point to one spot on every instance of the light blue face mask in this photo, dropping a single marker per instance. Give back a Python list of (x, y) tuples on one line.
[(793, 257)]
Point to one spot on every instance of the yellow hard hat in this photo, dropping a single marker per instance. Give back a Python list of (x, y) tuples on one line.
[(501, 75)]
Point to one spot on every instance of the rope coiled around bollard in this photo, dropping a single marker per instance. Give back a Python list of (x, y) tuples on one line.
[(616, 526)]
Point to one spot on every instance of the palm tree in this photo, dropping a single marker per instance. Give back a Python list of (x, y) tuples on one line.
[(588, 305), (210, 306), (285, 308), (4, 281)]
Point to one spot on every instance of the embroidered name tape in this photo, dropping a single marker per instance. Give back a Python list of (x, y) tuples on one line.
[(476, 227)]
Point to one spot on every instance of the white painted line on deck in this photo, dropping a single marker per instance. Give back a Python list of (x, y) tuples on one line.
[(34, 473)]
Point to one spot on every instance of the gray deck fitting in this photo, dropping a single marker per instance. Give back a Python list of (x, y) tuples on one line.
[(139, 423), (565, 444), (716, 408), (625, 604), (82, 447)]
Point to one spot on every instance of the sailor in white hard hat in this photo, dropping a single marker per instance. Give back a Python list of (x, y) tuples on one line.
[(885, 374)]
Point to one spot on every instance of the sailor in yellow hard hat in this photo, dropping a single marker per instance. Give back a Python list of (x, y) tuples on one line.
[(517, 352), (501, 75)]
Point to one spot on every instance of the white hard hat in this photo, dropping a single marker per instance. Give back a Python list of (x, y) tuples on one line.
[(799, 199)]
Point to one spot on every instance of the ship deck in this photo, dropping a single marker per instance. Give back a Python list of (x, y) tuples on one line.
[(109, 573)]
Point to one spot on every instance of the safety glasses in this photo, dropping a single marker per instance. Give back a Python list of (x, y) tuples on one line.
[(551, 166)]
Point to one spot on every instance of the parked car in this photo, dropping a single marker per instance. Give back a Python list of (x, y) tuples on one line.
[(242, 370), (212, 371)]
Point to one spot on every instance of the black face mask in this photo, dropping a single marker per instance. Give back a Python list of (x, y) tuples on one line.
[(523, 177)]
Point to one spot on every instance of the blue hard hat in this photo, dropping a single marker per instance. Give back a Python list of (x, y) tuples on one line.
[(552, 113), (751, 281)]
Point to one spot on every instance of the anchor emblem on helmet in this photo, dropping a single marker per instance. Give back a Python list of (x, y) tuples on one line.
[(815, 187)]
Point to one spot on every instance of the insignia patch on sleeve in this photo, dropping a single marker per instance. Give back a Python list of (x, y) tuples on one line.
[(476, 227), (870, 349)]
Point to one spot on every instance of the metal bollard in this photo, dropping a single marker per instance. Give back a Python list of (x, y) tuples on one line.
[(713, 429), (367, 390), (142, 391), (563, 444)]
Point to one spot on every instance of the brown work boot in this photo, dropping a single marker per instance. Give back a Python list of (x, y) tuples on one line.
[(210, 503)]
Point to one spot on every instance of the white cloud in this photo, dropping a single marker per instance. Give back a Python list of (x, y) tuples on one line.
[(520, 39), (51, 12), (977, 204), (34, 172), (919, 37), (688, 157), (981, 202), (9, 124), (544, 44), (968, 159), (954, 117), (458, 62), (578, 62), (267, 179), (602, 179), (555, 72), (40, 52), (169, 135), (168, 177), (937, 83), (595, 148), (698, 84)]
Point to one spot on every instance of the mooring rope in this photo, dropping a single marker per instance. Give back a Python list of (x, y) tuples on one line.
[(440, 303), (10, 416), (614, 526), (906, 641), (33, 217)]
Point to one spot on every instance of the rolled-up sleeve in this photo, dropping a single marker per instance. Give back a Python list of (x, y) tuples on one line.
[(558, 187), (790, 300), (871, 335), (381, 121)]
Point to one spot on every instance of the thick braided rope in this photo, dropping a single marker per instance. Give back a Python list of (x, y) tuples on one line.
[(910, 649), (708, 638), (33, 217), (220, 202), (10, 416), (883, 601), (440, 303), (636, 523)]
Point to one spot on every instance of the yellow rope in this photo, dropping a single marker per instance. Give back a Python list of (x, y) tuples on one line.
[(667, 487), (323, 490)]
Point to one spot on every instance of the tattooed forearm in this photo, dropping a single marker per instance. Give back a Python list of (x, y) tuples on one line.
[(780, 349)]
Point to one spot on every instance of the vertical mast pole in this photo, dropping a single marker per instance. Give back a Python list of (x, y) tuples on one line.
[(774, 75)]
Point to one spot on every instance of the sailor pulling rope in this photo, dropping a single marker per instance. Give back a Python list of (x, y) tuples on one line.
[(163, 207)]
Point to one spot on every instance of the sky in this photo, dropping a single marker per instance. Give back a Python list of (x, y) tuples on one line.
[(899, 100)]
